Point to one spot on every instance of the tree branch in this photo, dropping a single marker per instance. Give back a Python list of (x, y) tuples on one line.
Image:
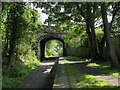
[(81, 12), (115, 10)]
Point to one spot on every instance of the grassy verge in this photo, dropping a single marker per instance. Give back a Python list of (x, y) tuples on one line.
[(12, 82), (103, 67), (82, 80), (12, 77)]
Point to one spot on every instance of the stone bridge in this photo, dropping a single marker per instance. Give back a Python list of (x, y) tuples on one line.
[(49, 33)]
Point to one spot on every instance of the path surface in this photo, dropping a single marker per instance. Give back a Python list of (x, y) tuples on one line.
[(61, 79), (82, 67), (56, 54), (40, 77)]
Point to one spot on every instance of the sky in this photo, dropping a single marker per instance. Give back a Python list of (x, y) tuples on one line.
[(44, 16)]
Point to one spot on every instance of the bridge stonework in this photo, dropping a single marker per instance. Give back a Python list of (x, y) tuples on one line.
[(49, 33)]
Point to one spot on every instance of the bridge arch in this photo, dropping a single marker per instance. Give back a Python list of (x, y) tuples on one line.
[(44, 40)]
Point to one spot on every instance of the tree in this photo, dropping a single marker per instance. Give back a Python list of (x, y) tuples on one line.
[(107, 29), (15, 22), (90, 12), (113, 9), (70, 14), (19, 26)]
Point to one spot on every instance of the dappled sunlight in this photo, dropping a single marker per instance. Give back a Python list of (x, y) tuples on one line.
[(47, 70), (93, 65), (99, 67), (57, 85), (84, 80), (105, 68), (61, 58), (78, 29), (47, 63), (110, 79), (74, 62)]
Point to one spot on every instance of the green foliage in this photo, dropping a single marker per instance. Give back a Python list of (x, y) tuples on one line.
[(52, 47), (79, 18), (30, 59), (20, 23), (19, 27), (12, 79), (20, 70), (61, 52), (99, 34), (9, 82), (81, 80), (76, 35)]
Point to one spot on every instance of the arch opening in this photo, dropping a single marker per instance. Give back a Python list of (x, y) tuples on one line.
[(43, 47), (53, 48)]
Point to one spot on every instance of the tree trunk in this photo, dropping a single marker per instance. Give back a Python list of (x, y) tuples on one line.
[(91, 30), (6, 41), (107, 29), (12, 38), (101, 46), (93, 35), (90, 40)]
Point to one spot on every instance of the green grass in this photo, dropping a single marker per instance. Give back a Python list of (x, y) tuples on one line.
[(82, 80), (103, 67), (11, 82)]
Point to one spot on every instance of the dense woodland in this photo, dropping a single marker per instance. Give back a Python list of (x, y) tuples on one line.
[(86, 24)]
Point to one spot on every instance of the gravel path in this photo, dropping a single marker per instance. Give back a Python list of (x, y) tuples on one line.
[(83, 68)]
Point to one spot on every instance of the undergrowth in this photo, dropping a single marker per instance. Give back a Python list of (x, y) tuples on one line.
[(19, 69)]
